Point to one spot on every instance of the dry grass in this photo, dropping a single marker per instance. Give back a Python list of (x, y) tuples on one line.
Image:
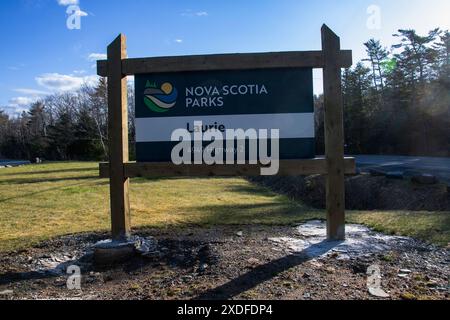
[(42, 201)]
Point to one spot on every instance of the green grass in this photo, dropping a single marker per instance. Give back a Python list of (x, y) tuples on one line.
[(39, 202)]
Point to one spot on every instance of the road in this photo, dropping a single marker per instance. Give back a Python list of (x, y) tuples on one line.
[(14, 163), (439, 167)]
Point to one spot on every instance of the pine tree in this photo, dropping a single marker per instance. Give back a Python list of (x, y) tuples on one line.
[(86, 145), (418, 53), (61, 136), (377, 57), (4, 121), (37, 131), (356, 87), (443, 61)]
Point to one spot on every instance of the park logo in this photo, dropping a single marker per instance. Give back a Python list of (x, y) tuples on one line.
[(160, 99)]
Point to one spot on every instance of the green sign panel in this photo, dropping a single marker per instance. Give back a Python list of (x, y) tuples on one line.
[(245, 99)]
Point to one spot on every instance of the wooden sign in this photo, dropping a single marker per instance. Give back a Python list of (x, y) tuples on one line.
[(163, 77)]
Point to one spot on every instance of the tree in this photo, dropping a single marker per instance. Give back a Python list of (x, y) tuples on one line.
[(98, 108), (37, 131), (319, 118), (443, 49), (131, 123), (86, 145), (62, 136), (377, 56), (356, 91), (418, 54), (4, 122)]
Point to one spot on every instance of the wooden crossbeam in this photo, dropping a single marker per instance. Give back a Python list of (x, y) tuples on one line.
[(167, 169), (238, 61)]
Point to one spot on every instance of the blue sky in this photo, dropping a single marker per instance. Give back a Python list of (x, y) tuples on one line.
[(40, 55)]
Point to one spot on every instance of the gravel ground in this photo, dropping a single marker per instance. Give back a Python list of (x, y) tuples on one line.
[(239, 262)]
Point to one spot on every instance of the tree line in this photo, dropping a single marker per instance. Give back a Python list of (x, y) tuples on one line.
[(62, 126), (397, 101)]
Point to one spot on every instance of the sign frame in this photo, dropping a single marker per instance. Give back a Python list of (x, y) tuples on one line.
[(119, 170)]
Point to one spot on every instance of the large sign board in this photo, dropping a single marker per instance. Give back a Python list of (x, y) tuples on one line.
[(271, 90), (241, 99)]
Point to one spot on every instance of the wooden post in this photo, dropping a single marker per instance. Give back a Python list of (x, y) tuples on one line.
[(118, 139), (334, 136)]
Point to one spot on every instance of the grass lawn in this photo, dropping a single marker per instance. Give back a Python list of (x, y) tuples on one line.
[(38, 202)]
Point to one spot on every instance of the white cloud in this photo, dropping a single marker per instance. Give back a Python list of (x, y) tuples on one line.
[(67, 2), (79, 71), (21, 101), (31, 92), (56, 81), (14, 110), (53, 82), (97, 56), (179, 40), (63, 82), (91, 80), (190, 13), (18, 105)]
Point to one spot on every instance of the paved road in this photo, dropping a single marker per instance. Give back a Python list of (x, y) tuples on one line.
[(4, 162), (439, 167)]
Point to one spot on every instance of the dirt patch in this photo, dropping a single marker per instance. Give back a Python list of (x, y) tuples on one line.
[(242, 262), (364, 192)]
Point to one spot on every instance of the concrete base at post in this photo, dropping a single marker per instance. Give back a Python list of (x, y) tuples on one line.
[(111, 252)]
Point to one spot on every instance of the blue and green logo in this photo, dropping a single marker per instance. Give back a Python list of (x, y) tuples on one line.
[(160, 99)]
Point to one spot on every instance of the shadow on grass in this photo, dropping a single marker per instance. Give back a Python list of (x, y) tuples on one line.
[(252, 190), (274, 213), (43, 180), (266, 272), (30, 194), (49, 171), (141, 180)]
